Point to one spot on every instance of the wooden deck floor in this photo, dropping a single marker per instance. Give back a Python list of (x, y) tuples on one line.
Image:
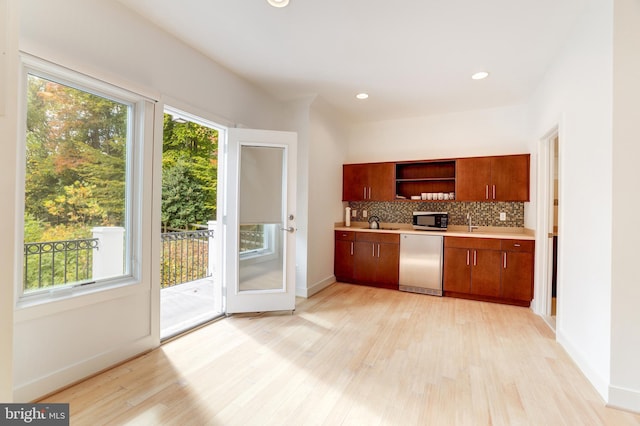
[(353, 355)]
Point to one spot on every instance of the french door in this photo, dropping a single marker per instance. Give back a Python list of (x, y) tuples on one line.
[(259, 221)]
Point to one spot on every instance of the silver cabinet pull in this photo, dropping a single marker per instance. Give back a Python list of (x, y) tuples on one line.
[(373, 250), (504, 260), (494, 192), (467, 257), (364, 194), (378, 249), (486, 192), (475, 257), (351, 248)]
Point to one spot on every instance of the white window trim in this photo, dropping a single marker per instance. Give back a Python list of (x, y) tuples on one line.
[(138, 169)]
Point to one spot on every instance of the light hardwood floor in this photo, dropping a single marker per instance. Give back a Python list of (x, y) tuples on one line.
[(352, 355)]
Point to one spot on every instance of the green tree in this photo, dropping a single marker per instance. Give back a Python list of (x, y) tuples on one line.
[(77, 205), (76, 141), (182, 202), (190, 146)]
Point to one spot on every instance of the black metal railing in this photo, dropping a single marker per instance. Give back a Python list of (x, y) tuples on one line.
[(51, 263), (185, 256), (251, 238)]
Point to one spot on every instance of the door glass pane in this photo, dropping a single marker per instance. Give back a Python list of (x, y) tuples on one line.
[(261, 218), (76, 185)]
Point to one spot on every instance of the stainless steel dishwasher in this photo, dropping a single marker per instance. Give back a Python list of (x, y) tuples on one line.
[(421, 263)]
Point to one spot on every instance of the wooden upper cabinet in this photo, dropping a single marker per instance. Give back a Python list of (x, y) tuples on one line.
[(510, 178), (501, 178), (473, 176), (354, 181), (368, 182)]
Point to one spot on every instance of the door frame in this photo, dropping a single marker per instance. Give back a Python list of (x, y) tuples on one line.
[(544, 225), (190, 113)]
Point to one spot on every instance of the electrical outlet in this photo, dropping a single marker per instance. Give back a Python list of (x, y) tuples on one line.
[(354, 213), (364, 213), (503, 216)]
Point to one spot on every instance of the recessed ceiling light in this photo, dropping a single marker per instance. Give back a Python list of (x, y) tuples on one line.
[(480, 75), (362, 95), (278, 3)]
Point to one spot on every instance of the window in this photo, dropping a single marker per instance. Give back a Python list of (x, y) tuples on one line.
[(257, 240), (79, 197)]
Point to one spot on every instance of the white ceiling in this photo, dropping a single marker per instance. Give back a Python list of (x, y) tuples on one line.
[(414, 57)]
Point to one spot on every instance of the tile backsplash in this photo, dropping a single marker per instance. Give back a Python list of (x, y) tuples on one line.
[(482, 213)]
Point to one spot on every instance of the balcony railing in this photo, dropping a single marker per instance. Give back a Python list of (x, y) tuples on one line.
[(185, 256), (51, 263)]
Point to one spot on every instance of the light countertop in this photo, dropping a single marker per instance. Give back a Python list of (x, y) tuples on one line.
[(452, 231)]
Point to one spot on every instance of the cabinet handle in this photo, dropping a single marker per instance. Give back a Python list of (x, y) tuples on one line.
[(351, 248), (486, 192), (373, 250), (494, 192), (369, 192), (475, 257), (504, 260), (378, 250), (516, 245), (364, 194), (467, 257)]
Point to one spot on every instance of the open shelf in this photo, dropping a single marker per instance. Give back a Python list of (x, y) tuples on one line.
[(415, 178)]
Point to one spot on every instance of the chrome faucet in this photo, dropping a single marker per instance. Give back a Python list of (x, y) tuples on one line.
[(471, 227)]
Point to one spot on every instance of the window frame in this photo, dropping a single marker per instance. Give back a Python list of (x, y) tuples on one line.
[(134, 178)]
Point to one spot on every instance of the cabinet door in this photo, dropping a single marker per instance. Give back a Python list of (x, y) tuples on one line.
[(364, 267), (381, 182), (388, 263), (376, 263), (510, 178), (354, 182), (343, 260), (457, 270), (473, 178), (517, 276), (485, 272)]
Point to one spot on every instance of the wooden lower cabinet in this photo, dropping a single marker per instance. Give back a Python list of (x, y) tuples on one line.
[(344, 255), (370, 258), (485, 273), (517, 270), (489, 269)]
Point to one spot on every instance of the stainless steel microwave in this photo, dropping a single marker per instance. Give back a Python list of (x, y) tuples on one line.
[(430, 221)]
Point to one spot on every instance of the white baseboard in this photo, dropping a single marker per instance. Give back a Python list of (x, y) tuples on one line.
[(600, 384), (315, 288), (625, 399), (60, 379)]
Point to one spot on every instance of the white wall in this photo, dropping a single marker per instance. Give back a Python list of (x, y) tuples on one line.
[(576, 95), (101, 38), (327, 153), (8, 132), (624, 390), (492, 131), (321, 153), (298, 120)]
